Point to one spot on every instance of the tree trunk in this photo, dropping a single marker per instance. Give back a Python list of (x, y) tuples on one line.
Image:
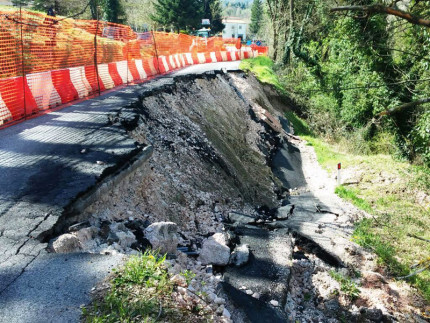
[(404, 106), (93, 8), (275, 42)]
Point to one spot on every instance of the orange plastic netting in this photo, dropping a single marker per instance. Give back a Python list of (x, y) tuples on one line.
[(41, 55)]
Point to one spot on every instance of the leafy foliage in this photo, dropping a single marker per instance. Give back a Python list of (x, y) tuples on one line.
[(346, 70), (234, 8), (137, 290), (420, 136), (256, 17), (114, 11), (212, 10), (179, 14)]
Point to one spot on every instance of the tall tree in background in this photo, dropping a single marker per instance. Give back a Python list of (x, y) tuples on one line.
[(93, 8), (279, 15), (212, 10), (44, 5), (139, 13), (114, 11), (256, 17), (216, 16), (179, 14), (20, 2)]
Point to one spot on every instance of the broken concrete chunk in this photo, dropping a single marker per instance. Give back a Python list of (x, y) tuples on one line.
[(162, 236), (274, 303), (240, 218), (240, 255), (215, 250), (86, 234), (126, 238), (65, 243)]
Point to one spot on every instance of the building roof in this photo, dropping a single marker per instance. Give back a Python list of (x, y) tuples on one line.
[(235, 20)]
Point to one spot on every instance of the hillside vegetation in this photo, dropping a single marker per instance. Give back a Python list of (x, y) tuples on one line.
[(394, 192), (360, 74)]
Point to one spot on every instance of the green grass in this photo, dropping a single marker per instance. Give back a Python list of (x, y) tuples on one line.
[(387, 189), (140, 292), (139, 274), (263, 69), (347, 286), (301, 128), (351, 196)]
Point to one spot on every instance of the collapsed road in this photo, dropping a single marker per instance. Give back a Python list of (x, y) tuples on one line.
[(211, 152)]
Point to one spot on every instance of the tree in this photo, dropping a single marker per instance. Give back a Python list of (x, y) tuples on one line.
[(138, 13), (216, 16), (72, 8), (179, 14), (256, 17), (94, 10), (278, 13), (19, 3), (44, 5), (387, 10), (114, 11)]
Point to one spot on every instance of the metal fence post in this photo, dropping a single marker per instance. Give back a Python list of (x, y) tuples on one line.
[(95, 49), (156, 52)]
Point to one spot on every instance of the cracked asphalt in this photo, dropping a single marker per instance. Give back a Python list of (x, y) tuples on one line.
[(42, 171)]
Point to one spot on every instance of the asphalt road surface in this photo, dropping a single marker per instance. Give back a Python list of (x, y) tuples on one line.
[(42, 170)]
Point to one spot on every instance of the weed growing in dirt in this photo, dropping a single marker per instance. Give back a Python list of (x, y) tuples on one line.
[(347, 286), (140, 292), (188, 275)]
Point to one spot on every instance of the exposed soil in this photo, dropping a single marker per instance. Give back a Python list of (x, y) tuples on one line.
[(220, 146)]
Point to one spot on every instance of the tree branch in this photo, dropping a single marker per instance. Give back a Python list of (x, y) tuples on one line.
[(377, 8), (416, 237), (404, 106)]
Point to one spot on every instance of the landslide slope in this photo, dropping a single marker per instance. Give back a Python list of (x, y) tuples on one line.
[(212, 151)]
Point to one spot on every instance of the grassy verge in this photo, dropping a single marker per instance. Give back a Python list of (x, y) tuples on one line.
[(262, 67), (141, 292)]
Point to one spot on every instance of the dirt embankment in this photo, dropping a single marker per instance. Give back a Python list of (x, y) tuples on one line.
[(223, 162), (211, 155)]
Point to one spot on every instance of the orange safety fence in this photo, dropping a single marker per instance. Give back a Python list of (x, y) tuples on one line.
[(49, 61)]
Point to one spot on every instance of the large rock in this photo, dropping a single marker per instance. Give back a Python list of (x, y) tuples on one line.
[(65, 243), (215, 250), (126, 238), (240, 255), (162, 236)]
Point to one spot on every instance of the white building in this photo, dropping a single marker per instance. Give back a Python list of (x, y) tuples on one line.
[(235, 27)]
